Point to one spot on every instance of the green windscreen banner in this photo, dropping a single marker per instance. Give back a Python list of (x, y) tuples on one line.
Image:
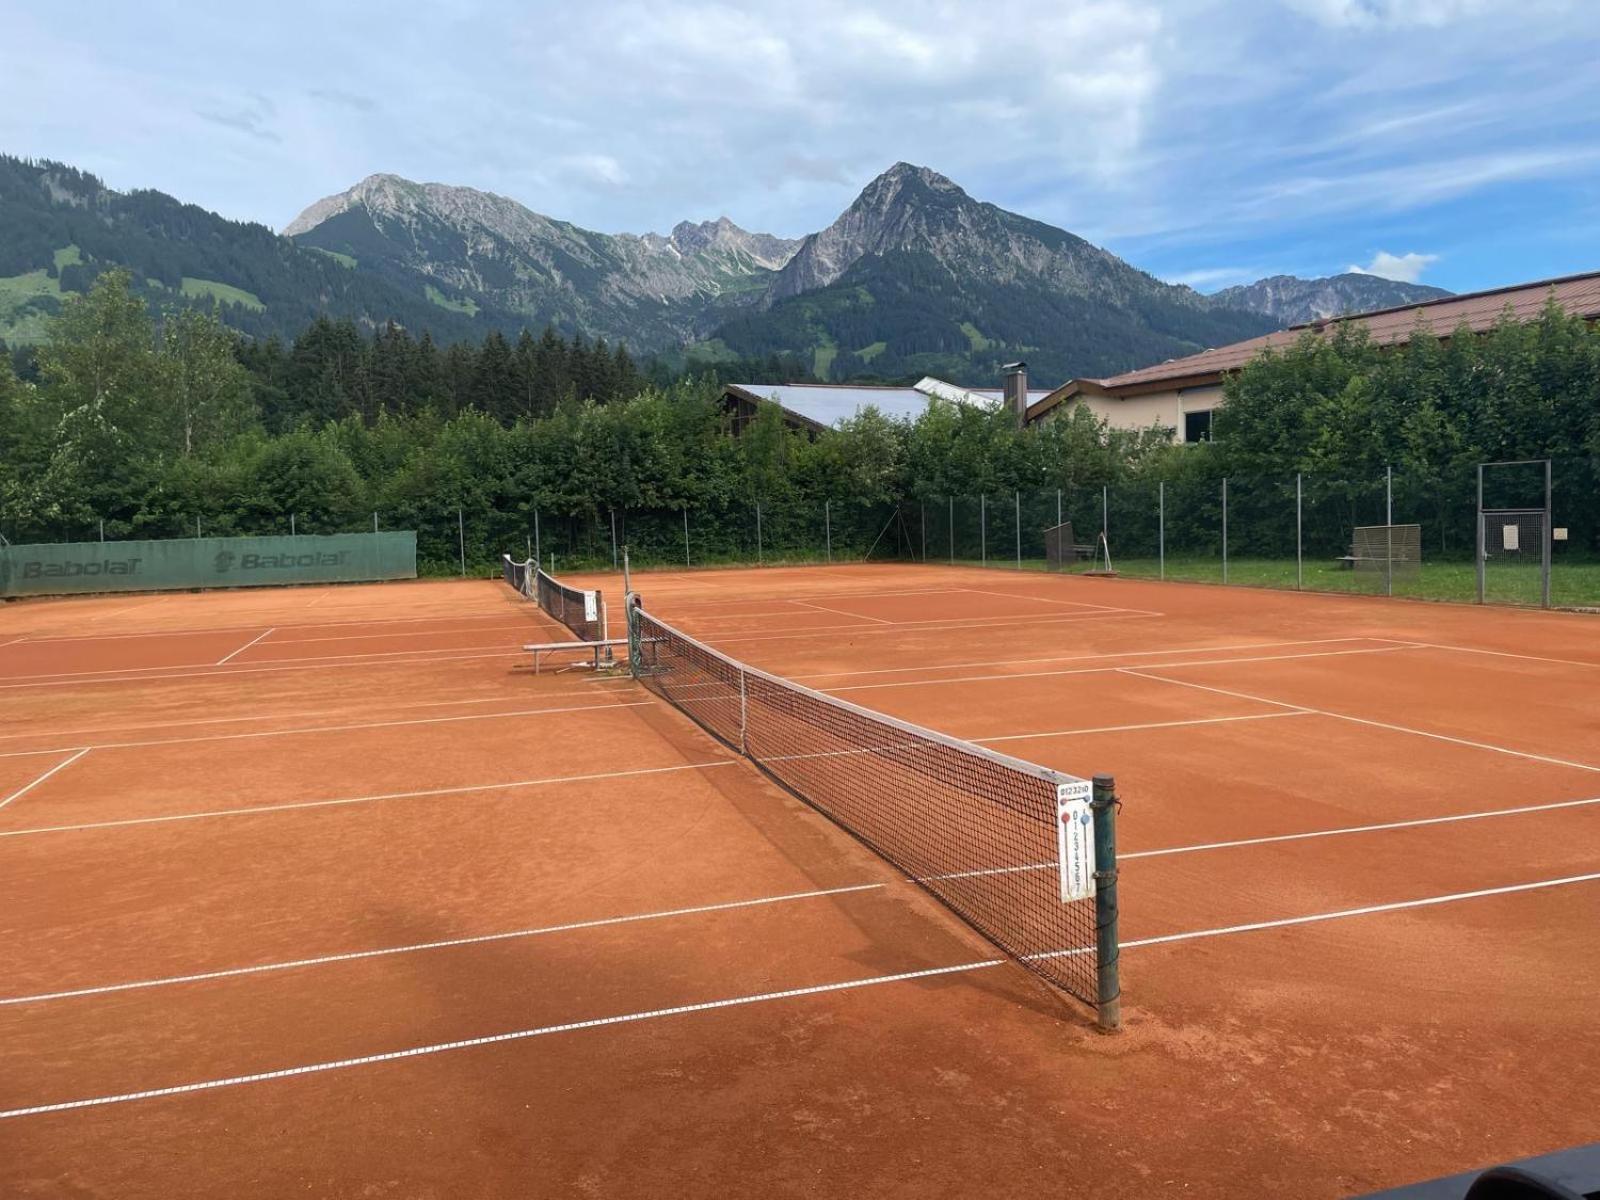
[(224, 562)]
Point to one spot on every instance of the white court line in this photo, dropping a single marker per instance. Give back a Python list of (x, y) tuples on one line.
[(417, 947), (211, 671), (1013, 662), (758, 998), (243, 648), (1052, 733), (185, 722), (1043, 599), (496, 1038), (1566, 662), (13, 641), (1268, 839), (1215, 662), (722, 639), (60, 766), (838, 612), (1322, 712), (340, 802), (1313, 918), (266, 733), (418, 655), (521, 626)]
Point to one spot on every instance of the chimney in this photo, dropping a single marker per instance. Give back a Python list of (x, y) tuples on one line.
[(1016, 390)]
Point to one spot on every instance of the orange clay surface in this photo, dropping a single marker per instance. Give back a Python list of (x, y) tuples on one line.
[(283, 851)]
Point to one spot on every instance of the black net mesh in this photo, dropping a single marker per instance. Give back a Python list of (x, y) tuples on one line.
[(975, 828), (583, 612)]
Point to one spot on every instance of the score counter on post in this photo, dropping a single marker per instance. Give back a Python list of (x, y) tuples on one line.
[(1075, 840)]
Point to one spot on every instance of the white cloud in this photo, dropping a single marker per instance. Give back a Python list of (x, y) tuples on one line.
[(596, 168), (1404, 268), (1207, 279)]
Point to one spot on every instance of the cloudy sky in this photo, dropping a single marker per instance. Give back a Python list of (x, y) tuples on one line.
[(1208, 141)]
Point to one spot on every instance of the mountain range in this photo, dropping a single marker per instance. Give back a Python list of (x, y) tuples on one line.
[(914, 277)]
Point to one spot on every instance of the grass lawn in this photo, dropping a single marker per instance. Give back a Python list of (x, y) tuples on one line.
[(468, 305), (221, 292), (1574, 584)]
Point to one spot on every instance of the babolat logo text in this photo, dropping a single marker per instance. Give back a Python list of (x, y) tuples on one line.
[(80, 570), (289, 562)]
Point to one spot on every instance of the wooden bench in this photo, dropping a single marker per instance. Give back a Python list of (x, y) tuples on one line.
[(591, 649)]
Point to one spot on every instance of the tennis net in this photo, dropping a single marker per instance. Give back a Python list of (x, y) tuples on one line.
[(581, 610), (981, 831)]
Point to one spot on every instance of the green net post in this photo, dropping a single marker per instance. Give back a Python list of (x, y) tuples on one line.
[(630, 605), (1108, 1006)]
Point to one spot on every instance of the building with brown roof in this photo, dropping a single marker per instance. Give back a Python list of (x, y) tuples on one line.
[(1182, 393)]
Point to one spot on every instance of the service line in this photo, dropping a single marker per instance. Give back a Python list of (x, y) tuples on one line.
[(60, 766)]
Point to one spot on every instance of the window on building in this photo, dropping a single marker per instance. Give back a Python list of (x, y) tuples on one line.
[(1197, 426)]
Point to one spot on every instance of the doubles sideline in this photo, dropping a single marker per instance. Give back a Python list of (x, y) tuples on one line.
[(759, 998)]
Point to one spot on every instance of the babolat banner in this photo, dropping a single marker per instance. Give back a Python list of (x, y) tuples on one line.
[(205, 563)]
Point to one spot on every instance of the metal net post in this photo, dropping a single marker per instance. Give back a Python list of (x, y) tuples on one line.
[(1108, 983)]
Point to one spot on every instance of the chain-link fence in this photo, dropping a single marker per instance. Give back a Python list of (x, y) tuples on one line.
[(1288, 530)]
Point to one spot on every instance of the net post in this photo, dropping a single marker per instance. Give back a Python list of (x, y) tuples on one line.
[(630, 608), (1108, 984), (744, 714)]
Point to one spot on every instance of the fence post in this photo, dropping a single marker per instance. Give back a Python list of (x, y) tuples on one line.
[(1299, 537), (1388, 530), (827, 525), (613, 539), (1549, 533), (374, 522), (197, 527), (759, 558), (1108, 986), (1019, 529), (292, 531), (952, 531), (461, 539), (1161, 526), (1480, 548), (924, 506), (538, 550), (983, 530), (686, 561), (1224, 529), (1058, 506), (1105, 512), (102, 529)]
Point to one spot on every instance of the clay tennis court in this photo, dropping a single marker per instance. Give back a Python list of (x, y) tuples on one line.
[(322, 891)]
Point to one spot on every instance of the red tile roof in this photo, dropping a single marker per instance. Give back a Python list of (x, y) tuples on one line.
[(1478, 311)]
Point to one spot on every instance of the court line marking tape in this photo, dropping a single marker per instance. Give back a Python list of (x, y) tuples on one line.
[(496, 1038), (838, 612), (1566, 662), (167, 818), (60, 766), (630, 918), (182, 723), (723, 639), (1215, 662), (1044, 599), (1313, 918), (1016, 662), (1267, 839), (1321, 712), (1054, 733), (481, 939), (259, 637), (756, 998), (376, 656), (266, 733)]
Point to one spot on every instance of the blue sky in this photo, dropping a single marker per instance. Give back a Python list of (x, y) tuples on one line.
[(1207, 141)]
